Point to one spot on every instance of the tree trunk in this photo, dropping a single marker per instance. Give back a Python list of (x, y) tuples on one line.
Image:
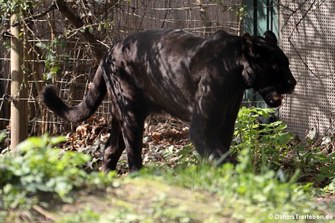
[(18, 116)]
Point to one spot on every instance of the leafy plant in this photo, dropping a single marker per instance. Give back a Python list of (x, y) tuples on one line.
[(268, 142), (38, 169), (3, 136), (86, 215), (53, 59), (316, 166), (8, 7), (271, 146)]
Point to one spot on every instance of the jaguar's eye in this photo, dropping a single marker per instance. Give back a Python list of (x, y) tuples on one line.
[(275, 67)]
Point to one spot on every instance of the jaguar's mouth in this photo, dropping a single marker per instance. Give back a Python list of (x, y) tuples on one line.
[(272, 97), (275, 99)]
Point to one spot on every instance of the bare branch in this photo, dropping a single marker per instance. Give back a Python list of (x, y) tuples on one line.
[(36, 16), (97, 47), (296, 27)]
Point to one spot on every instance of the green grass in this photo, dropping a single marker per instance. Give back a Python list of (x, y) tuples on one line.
[(42, 182)]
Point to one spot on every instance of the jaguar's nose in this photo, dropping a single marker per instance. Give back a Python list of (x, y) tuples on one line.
[(286, 87), (291, 83)]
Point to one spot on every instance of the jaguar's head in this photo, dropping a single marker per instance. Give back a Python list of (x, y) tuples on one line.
[(266, 68)]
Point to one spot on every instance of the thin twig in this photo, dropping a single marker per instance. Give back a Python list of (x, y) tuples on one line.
[(79, 24), (45, 213), (36, 16)]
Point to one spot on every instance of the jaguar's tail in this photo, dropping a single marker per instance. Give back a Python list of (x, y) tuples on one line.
[(86, 107)]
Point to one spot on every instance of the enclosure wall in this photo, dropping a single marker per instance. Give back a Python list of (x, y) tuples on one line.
[(307, 31)]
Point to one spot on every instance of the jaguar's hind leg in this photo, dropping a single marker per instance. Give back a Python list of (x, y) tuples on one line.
[(114, 147), (132, 131)]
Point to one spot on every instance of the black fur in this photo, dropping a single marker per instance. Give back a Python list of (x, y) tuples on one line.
[(83, 110), (197, 80)]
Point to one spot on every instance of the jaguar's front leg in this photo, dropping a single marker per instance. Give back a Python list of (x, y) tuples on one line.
[(213, 118)]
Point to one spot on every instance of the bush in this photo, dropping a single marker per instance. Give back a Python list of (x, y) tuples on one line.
[(38, 169), (272, 147), (268, 143)]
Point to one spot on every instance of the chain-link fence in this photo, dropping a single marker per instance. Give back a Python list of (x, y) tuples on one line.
[(54, 50)]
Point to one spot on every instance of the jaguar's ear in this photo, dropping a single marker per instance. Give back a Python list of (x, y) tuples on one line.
[(269, 36), (254, 46)]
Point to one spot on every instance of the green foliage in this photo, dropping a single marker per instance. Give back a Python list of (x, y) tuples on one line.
[(39, 170), (239, 9), (179, 157), (8, 7), (316, 166), (86, 215), (252, 197), (3, 136), (271, 146), (53, 59), (268, 143), (262, 183), (274, 175)]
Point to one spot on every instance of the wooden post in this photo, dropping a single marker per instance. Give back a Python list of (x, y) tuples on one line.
[(18, 112)]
